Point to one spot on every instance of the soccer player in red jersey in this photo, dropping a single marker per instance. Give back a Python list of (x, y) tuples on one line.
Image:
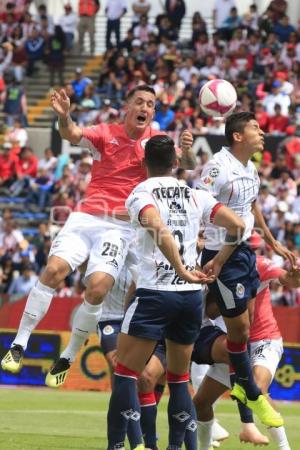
[(99, 229)]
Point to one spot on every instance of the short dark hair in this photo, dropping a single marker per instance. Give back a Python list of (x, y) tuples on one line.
[(160, 154), (236, 124), (140, 88)]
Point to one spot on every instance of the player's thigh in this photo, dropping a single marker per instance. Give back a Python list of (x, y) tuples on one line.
[(208, 392), (151, 374), (110, 249), (133, 352), (178, 357), (73, 243), (220, 373)]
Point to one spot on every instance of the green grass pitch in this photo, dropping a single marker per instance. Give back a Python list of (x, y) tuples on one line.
[(42, 419)]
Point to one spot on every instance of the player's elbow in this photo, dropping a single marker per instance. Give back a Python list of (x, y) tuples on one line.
[(237, 227)]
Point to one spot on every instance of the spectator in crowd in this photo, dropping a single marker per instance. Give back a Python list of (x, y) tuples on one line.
[(220, 12), (48, 163), (164, 116), (26, 168), (283, 28), (34, 46), (175, 10), (139, 8), (17, 134), (115, 10), (69, 23), (80, 83), (278, 123), (277, 97), (87, 14), (43, 16), (55, 51), (7, 165), (143, 30), (24, 282), (14, 101)]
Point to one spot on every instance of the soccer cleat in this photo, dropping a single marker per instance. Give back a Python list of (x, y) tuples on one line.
[(140, 447), (261, 407), (58, 373), (216, 444), (218, 432), (13, 360)]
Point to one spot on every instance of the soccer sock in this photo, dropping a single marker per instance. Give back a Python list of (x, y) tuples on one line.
[(85, 322), (205, 434), (158, 392), (280, 437), (148, 419), (123, 407), (245, 413), (240, 361), (134, 428), (36, 307), (190, 439), (179, 409)]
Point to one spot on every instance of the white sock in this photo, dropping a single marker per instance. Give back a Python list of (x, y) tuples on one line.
[(85, 322), (279, 436), (205, 434), (36, 307)]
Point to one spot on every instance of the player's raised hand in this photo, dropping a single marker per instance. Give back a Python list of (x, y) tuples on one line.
[(285, 253), (186, 140), (60, 103)]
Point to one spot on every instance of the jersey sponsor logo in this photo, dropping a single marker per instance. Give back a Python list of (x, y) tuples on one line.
[(240, 290), (214, 172), (172, 192), (114, 141), (108, 330)]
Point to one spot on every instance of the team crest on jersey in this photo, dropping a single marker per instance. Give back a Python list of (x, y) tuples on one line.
[(108, 330), (144, 142), (214, 172), (240, 290)]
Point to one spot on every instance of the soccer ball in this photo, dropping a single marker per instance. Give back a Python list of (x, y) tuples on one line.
[(217, 98)]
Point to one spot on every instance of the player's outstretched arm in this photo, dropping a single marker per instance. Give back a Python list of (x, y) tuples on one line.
[(235, 226), (151, 220), (269, 238), (68, 130), (187, 159)]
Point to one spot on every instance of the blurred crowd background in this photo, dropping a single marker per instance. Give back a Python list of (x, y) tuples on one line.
[(258, 53)]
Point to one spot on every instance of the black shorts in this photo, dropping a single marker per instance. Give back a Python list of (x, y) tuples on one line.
[(203, 345), (238, 281), (173, 315), (109, 334)]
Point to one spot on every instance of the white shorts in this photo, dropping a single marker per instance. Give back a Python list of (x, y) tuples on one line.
[(103, 241), (266, 353)]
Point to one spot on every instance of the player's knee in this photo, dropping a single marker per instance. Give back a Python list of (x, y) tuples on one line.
[(146, 382), (52, 275), (95, 293)]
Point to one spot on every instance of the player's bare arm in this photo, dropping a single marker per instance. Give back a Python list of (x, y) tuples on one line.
[(235, 226), (163, 238), (187, 159), (68, 130), (269, 238)]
